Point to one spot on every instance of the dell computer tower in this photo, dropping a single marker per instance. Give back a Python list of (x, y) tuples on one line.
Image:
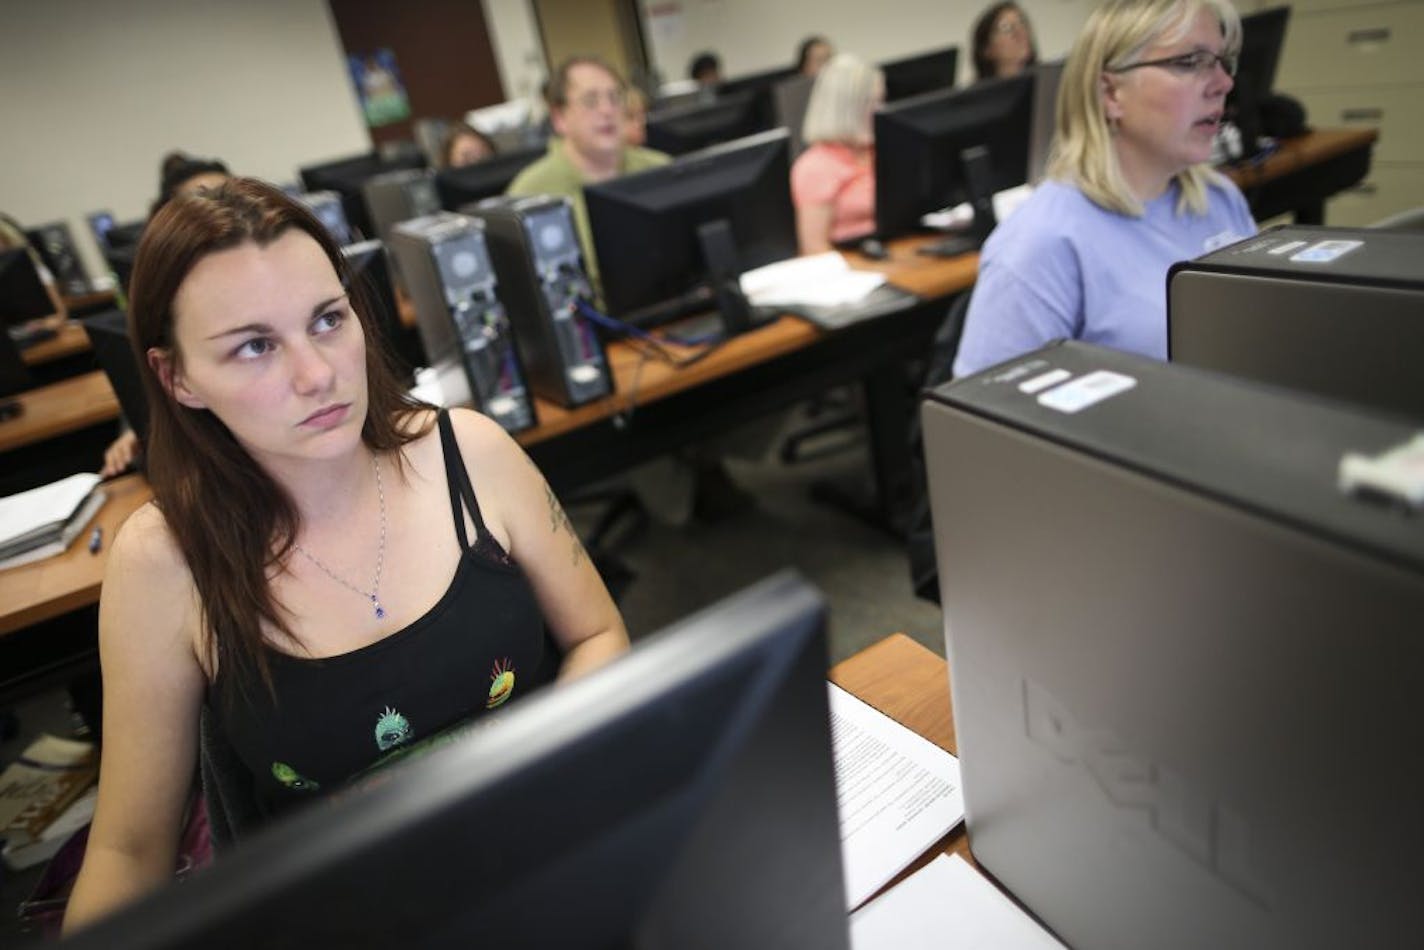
[(459, 314), (1186, 665), (535, 250), (396, 196), (1338, 312)]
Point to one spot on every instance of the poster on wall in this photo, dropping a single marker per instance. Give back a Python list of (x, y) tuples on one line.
[(379, 88)]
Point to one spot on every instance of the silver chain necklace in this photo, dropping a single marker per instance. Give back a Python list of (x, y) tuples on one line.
[(374, 594)]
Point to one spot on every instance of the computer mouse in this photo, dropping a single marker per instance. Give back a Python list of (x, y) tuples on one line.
[(873, 249)]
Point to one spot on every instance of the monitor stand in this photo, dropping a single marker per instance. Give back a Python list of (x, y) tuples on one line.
[(979, 183), (734, 312)]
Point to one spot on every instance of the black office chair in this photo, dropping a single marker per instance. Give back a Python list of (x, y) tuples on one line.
[(919, 537)]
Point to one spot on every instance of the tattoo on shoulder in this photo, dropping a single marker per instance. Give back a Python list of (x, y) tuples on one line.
[(558, 518)]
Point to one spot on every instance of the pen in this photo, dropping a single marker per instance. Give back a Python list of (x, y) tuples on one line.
[(96, 540)]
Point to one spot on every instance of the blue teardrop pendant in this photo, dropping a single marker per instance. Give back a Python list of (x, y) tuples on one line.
[(380, 611)]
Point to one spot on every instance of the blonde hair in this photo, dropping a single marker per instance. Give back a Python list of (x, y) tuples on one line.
[(1115, 35), (842, 101)]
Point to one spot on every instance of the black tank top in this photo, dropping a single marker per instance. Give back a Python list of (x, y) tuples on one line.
[(328, 720)]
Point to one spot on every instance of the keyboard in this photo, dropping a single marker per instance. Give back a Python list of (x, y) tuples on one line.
[(26, 337)]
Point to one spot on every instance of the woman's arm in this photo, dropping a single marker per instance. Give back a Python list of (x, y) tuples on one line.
[(153, 688), (813, 227), (513, 494)]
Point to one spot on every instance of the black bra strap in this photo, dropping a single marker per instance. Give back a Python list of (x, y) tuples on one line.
[(458, 481)]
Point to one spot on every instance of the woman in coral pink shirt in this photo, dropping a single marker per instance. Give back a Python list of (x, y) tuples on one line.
[(833, 181)]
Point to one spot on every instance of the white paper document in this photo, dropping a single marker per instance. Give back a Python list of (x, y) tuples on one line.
[(818, 280), (47, 505), (961, 216), (898, 794), (945, 904)]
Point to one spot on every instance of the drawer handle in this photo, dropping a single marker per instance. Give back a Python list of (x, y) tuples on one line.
[(1361, 115), (1378, 34)]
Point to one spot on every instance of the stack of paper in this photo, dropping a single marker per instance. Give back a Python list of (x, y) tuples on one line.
[(43, 521), (946, 904), (898, 794), (820, 280)]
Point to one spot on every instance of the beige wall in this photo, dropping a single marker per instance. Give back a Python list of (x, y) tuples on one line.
[(96, 93), (518, 51), (752, 35)]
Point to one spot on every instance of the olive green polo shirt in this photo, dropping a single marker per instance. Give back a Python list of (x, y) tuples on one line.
[(555, 174)]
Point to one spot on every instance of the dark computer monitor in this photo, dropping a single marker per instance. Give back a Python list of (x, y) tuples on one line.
[(924, 72), (15, 376), (23, 296), (459, 187), (54, 243), (346, 176), (100, 224), (1263, 35), (683, 796), (371, 268), (661, 235), (109, 336), (927, 158), (680, 129), (126, 234)]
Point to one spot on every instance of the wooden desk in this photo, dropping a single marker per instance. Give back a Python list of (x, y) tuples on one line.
[(59, 409), (657, 408), (70, 340), (92, 300), (1304, 171), (910, 684), (42, 590)]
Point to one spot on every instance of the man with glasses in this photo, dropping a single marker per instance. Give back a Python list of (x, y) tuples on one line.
[(586, 106)]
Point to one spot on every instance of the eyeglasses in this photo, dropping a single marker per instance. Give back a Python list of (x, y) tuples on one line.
[(1006, 27), (1196, 63), (591, 99)]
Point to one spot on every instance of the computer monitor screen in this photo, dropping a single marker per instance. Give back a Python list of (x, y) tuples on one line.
[(924, 72), (789, 99), (920, 145), (109, 336), (753, 82), (683, 796), (346, 176), (468, 184), (1263, 35), (14, 375), (22, 294), (100, 224), (1046, 79), (645, 226), (687, 128)]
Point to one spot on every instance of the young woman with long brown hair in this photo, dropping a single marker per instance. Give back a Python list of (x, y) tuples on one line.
[(330, 569)]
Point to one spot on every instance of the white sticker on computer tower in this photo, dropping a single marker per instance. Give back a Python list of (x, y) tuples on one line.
[(1323, 252), (1042, 381), (1086, 391)]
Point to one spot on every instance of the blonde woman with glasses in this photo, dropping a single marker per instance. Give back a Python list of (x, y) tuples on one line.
[(1128, 191)]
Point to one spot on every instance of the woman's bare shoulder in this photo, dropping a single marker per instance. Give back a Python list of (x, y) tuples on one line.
[(146, 543)]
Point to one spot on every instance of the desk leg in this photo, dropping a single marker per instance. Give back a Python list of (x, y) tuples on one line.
[(888, 406), (1310, 212)]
